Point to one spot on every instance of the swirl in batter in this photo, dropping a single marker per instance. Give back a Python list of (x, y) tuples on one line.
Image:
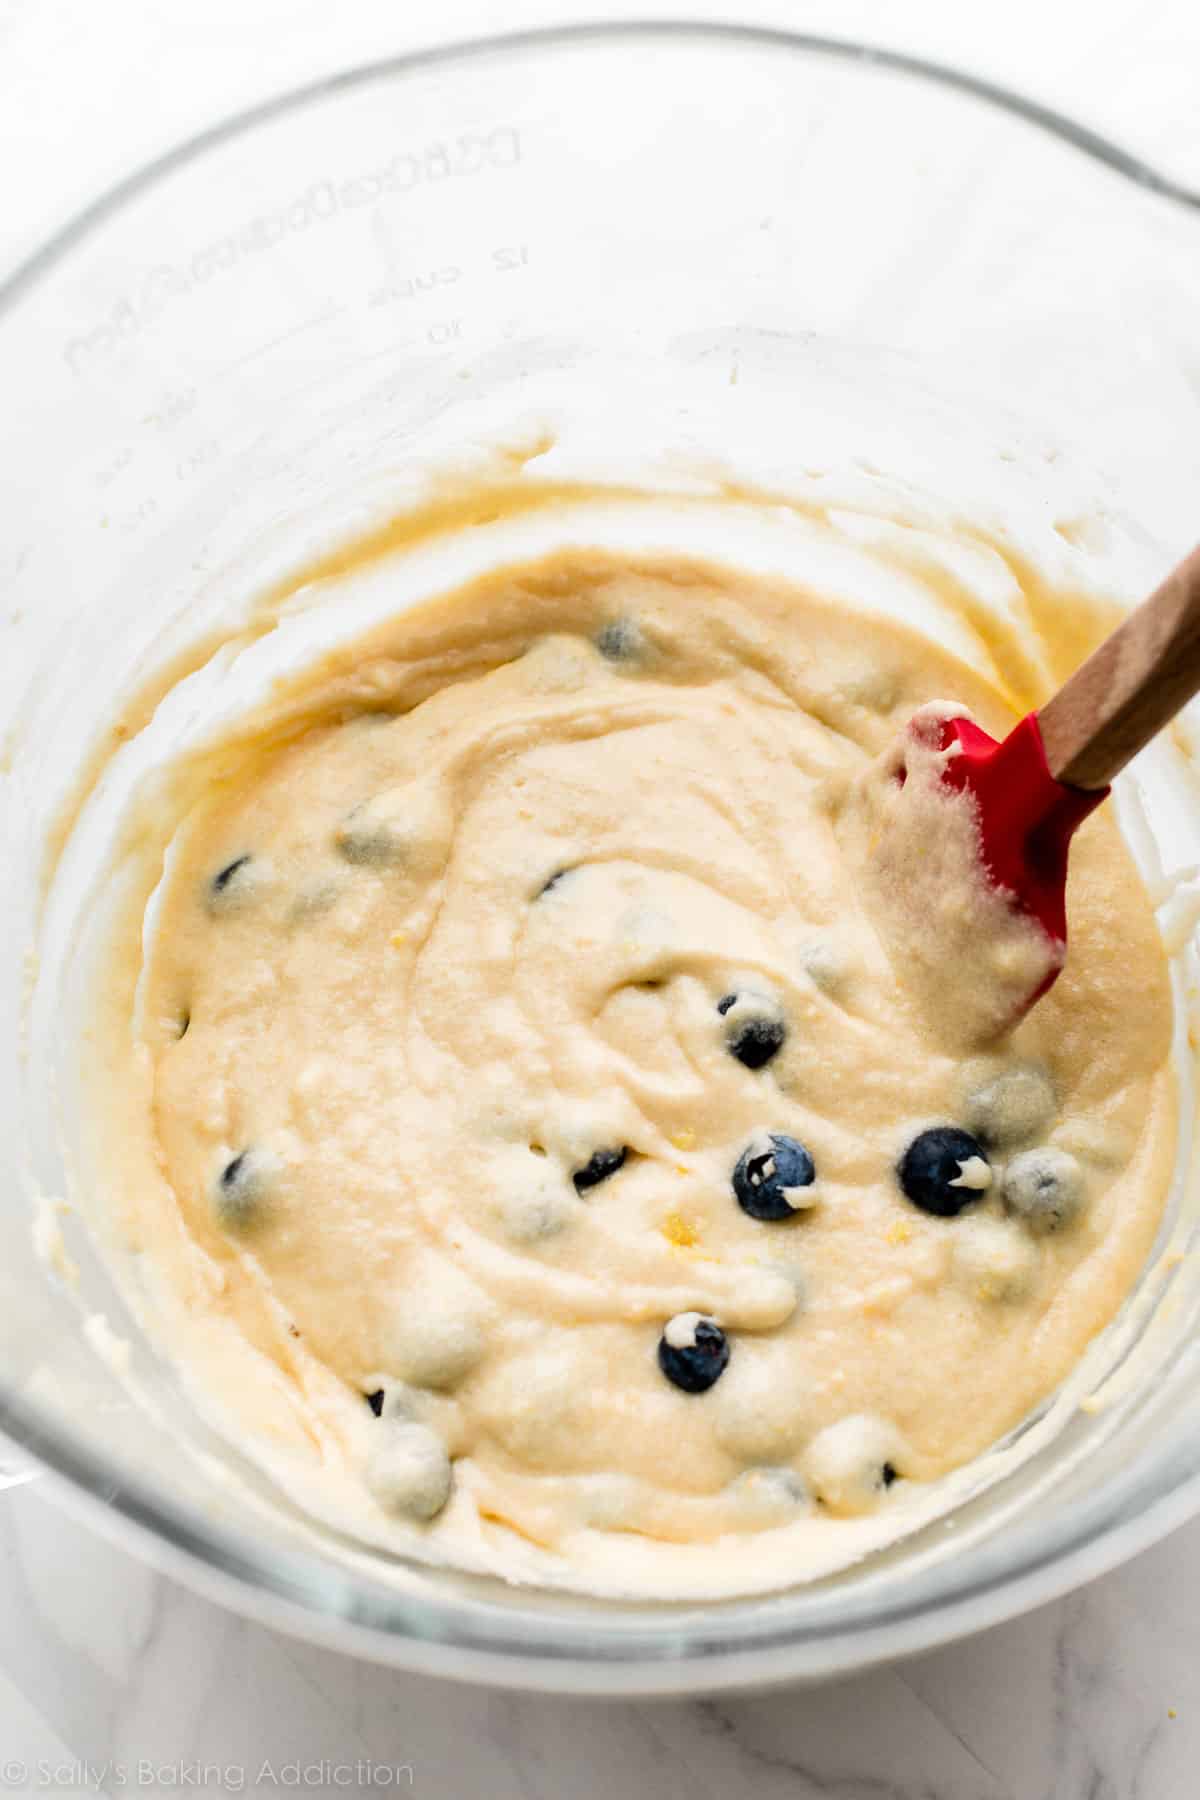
[(541, 1137)]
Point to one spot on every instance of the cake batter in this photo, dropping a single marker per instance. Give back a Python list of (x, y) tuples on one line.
[(530, 1128)]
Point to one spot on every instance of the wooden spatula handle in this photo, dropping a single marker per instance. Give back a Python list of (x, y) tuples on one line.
[(1130, 687)]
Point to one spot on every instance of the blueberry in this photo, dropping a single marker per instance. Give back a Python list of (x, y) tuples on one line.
[(242, 1186), (943, 1170), (757, 1041), (756, 1033), (370, 840), (237, 884), (853, 1462), (599, 1166), (375, 1401), (224, 878), (535, 1206), (409, 1470), (773, 1178), (692, 1352), (1045, 1187), (231, 1174), (1011, 1107), (620, 641)]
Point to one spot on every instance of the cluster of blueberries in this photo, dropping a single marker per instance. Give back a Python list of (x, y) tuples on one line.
[(933, 1174), (930, 1174), (769, 1179)]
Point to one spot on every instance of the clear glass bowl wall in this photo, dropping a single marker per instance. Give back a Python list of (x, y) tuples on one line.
[(268, 322)]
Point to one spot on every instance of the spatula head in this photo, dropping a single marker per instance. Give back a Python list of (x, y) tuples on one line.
[(1026, 819)]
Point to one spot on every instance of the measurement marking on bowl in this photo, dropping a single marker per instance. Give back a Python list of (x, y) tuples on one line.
[(411, 287), (505, 259), (324, 200)]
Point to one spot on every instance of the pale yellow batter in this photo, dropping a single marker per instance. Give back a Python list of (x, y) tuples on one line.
[(460, 1003)]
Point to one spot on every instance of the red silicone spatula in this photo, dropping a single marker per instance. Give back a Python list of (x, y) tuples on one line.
[(1036, 787)]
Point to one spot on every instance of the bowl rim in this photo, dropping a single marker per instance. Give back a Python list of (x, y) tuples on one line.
[(662, 1653), (1101, 148)]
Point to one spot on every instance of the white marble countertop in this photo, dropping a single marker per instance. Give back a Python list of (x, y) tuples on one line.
[(103, 1663), (113, 1678)]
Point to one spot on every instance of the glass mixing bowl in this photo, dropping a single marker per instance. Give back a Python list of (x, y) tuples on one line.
[(270, 325)]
